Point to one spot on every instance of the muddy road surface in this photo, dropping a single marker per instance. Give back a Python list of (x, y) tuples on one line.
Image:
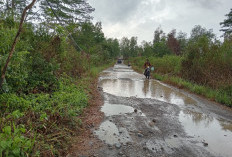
[(146, 118)]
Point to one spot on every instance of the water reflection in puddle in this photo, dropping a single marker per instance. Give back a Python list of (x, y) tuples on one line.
[(110, 134), (108, 131), (205, 128), (145, 89), (116, 109)]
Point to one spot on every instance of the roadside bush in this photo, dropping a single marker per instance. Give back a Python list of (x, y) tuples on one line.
[(13, 143), (39, 121), (17, 72), (42, 76), (208, 63), (168, 64)]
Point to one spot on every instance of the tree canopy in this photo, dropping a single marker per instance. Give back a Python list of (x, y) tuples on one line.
[(227, 23), (67, 11)]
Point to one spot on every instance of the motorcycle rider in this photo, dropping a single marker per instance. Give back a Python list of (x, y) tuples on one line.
[(147, 71), (146, 64)]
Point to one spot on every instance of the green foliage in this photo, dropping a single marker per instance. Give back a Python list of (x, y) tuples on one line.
[(6, 38), (227, 24), (199, 31), (168, 64), (147, 49), (66, 10), (17, 72), (88, 36), (11, 102), (206, 64), (13, 143), (112, 46), (41, 76), (40, 92), (161, 48), (60, 109), (129, 47)]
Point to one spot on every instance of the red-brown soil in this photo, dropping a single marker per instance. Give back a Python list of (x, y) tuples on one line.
[(84, 143)]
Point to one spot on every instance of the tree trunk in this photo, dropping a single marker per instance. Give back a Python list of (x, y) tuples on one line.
[(7, 5), (15, 41), (12, 8)]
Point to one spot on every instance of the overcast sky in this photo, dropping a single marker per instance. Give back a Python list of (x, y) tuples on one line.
[(141, 17)]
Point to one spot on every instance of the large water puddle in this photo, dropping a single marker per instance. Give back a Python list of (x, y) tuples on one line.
[(145, 89), (116, 109), (216, 134), (108, 131)]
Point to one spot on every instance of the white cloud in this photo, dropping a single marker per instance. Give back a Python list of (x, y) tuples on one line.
[(141, 17)]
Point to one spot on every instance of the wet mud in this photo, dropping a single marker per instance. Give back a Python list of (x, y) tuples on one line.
[(148, 118)]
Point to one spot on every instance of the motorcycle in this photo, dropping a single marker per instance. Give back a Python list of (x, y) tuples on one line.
[(147, 72)]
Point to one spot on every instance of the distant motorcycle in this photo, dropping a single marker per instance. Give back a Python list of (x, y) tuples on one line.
[(147, 72)]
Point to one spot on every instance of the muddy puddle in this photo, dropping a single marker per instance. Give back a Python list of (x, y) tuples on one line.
[(207, 131), (110, 134), (108, 131), (116, 109), (126, 87), (210, 132)]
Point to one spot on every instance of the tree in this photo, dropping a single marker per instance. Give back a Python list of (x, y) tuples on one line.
[(227, 23), (182, 39), (129, 47), (68, 11), (87, 34), (112, 46), (3, 74), (13, 8), (158, 35), (199, 31), (160, 46), (125, 47), (173, 43), (147, 48), (133, 47)]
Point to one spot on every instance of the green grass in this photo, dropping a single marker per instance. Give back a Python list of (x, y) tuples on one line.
[(94, 71)]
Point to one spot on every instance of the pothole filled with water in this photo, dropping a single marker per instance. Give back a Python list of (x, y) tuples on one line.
[(110, 134), (214, 134), (145, 89), (117, 109)]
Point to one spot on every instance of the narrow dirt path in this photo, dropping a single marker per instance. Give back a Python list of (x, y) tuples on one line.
[(148, 118)]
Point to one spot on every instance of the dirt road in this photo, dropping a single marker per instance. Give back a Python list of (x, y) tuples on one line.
[(148, 118)]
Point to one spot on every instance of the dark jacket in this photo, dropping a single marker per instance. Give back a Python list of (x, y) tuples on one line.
[(146, 64)]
